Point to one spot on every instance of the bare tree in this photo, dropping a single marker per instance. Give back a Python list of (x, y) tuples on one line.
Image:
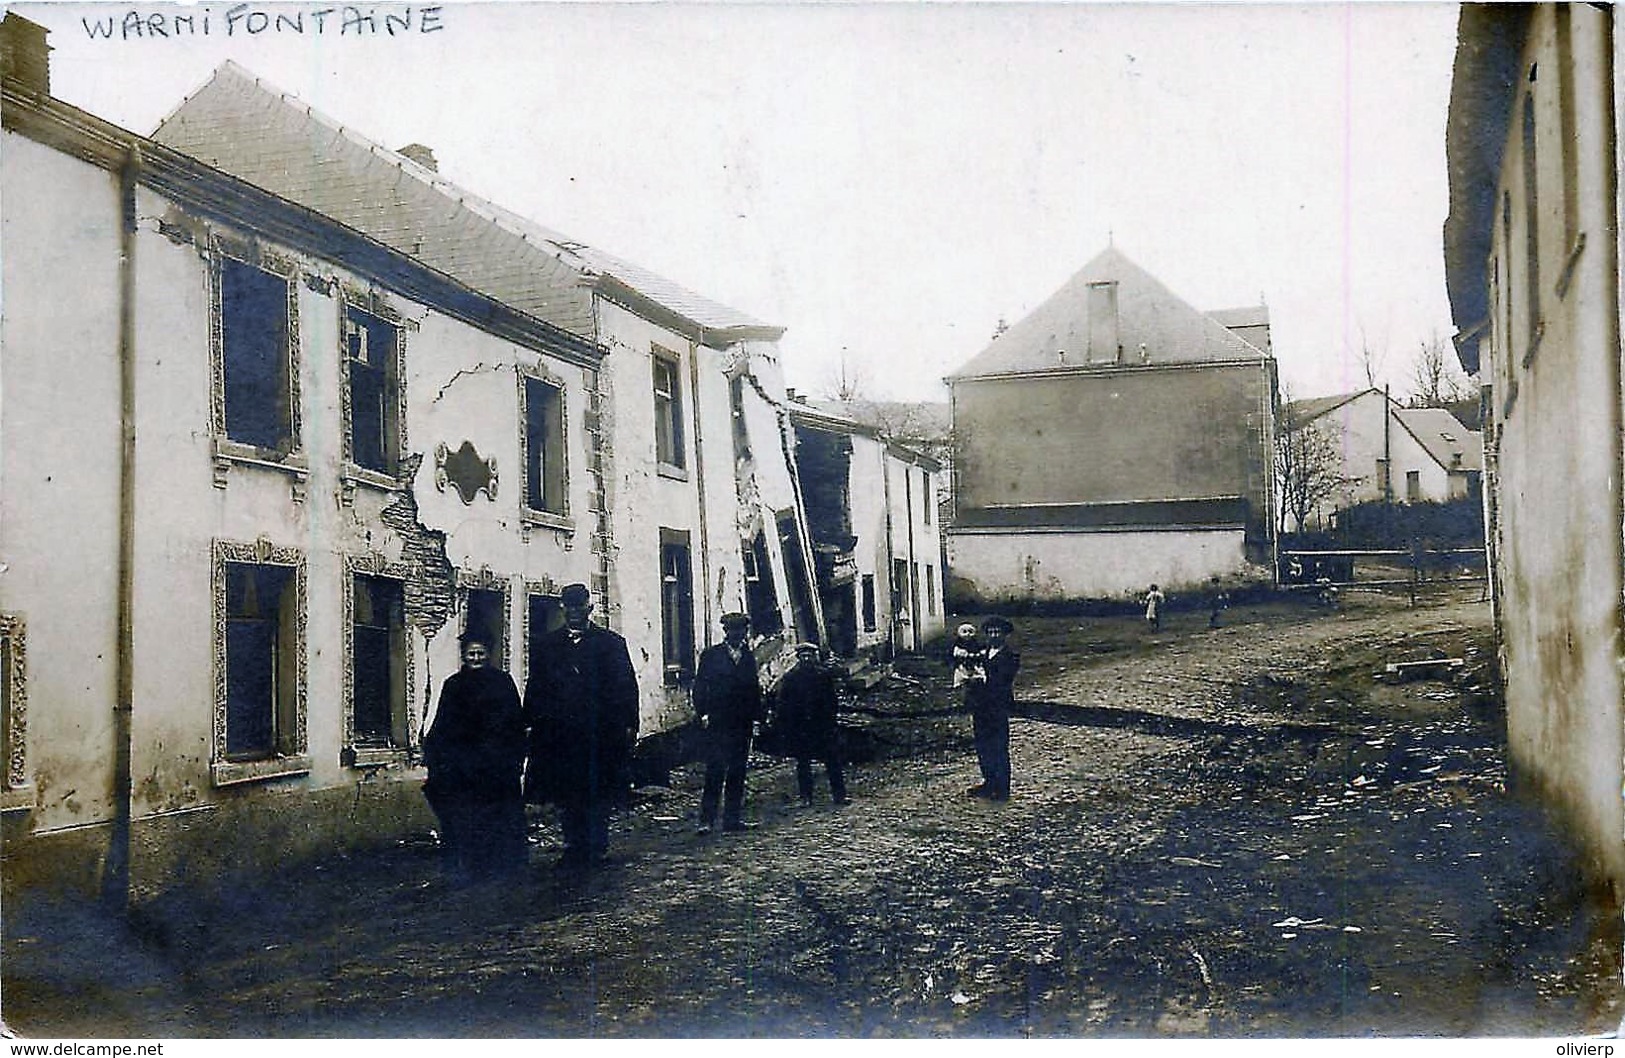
[(845, 381), (1435, 376), (1308, 464), (1371, 360)]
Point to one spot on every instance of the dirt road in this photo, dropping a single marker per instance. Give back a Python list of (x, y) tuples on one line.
[(1213, 833)]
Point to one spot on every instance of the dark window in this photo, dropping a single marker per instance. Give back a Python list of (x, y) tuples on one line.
[(676, 606), (668, 412), (260, 631), (868, 602), (546, 615), (797, 577), (487, 612), (899, 589), (925, 478), (544, 447), (254, 356), (1413, 486), (370, 347), (761, 597), (931, 590), (379, 662), (1382, 477)]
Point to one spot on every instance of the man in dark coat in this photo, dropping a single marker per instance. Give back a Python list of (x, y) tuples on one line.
[(991, 699), (581, 704), (728, 703), (805, 722), (475, 752)]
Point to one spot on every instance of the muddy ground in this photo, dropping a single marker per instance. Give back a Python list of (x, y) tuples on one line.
[(1214, 833)]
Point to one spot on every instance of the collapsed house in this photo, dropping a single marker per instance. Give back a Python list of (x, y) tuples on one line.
[(308, 412)]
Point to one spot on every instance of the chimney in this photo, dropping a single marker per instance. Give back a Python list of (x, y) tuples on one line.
[(24, 56), (420, 154)]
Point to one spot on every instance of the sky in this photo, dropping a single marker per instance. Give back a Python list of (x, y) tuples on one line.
[(888, 181)]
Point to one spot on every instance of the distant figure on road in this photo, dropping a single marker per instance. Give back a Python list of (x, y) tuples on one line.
[(475, 752), (728, 703), (966, 655), (1220, 603), (991, 698), (1153, 608), (581, 703), (806, 722)]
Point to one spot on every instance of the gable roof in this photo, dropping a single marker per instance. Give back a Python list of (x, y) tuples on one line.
[(1311, 408), (1451, 444), (1057, 333), (216, 197), (238, 123)]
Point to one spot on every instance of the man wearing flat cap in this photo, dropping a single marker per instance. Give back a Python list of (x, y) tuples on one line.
[(581, 704), (991, 699), (806, 722), (728, 703)]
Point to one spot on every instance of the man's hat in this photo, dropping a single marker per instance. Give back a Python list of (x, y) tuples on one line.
[(575, 595), (475, 634), (731, 620), (1001, 623)]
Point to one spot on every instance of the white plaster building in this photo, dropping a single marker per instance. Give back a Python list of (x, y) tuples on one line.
[(1532, 252), (685, 498), (256, 472), (1408, 455), (307, 413), (873, 517)]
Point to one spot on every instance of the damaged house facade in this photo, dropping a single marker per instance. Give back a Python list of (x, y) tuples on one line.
[(224, 619), (1113, 438), (1532, 251), (875, 529)]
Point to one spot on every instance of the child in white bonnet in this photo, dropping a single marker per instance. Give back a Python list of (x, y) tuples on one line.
[(967, 655)]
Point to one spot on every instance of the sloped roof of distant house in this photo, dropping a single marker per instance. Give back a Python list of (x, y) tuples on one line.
[(926, 420), (246, 127), (831, 416), (1056, 335), (1450, 443), (1311, 408)]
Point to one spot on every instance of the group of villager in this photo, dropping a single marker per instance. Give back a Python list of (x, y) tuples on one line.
[(569, 740)]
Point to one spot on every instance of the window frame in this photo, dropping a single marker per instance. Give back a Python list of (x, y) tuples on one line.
[(868, 610), (668, 410), (225, 253), (486, 581), (294, 758), (678, 635), (556, 516), (354, 752), (372, 305)]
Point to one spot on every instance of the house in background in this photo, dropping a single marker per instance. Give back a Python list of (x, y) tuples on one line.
[(875, 525), (685, 510), (1113, 438), (1408, 455), (1532, 252)]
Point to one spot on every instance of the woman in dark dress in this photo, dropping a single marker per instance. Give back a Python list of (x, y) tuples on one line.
[(475, 752)]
